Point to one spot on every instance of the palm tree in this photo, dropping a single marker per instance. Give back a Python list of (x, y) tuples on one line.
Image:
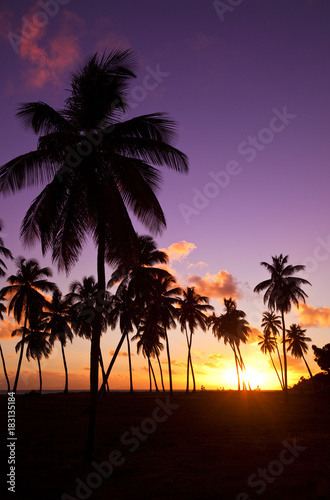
[(268, 345), (192, 309), (297, 344), (271, 324), (5, 252), (86, 301), (282, 290), (3, 309), (57, 322), (36, 340), (26, 288), (148, 337), (232, 327), (116, 171), (162, 309)]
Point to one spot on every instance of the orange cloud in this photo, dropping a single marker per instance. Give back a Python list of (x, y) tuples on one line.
[(313, 316), (121, 353), (6, 328), (221, 285), (253, 337), (179, 250)]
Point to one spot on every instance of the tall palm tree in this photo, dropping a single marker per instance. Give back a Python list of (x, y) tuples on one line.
[(36, 340), (271, 324), (232, 327), (281, 291), (57, 323), (267, 346), (192, 313), (297, 344), (26, 288), (148, 337), (97, 167), (3, 309), (5, 252)]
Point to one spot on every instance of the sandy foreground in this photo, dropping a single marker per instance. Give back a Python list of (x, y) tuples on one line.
[(221, 445)]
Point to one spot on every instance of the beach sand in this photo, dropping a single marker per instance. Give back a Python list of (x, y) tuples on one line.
[(221, 445)]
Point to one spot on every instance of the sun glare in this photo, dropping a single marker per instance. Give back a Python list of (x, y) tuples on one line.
[(254, 377)]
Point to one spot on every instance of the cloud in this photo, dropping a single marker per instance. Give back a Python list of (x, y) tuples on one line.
[(180, 364), (212, 365), (124, 354), (47, 62), (180, 250), (313, 316), (216, 357), (253, 337), (221, 285), (6, 328)]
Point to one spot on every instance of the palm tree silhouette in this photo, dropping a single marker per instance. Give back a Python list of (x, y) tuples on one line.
[(191, 311), (297, 344), (36, 341), (233, 329), (26, 288), (57, 321), (86, 300), (271, 323), (282, 290), (96, 167), (267, 346), (3, 309), (162, 309), (5, 252)]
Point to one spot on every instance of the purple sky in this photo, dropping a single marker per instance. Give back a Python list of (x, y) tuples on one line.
[(226, 79)]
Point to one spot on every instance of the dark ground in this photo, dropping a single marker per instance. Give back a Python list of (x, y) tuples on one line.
[(213, 445)]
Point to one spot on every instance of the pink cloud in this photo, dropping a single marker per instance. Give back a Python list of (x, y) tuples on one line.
[(179, 250), (313, 316)]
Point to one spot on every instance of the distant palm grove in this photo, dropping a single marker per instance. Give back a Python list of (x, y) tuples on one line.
[(95, 169)]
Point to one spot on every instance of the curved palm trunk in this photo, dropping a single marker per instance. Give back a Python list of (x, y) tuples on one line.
[(129, 364), (309, 371), (150, 381), (95, 343), (285, 386), (188, 360), (153, 376), (112, 362), (40, 378), (281, 366), (169, 361), (191, 365), (237, 367), (278, 376), (66, 370), (161, 373), (243, 369), (21, 354), (4, 368), (103, 372)]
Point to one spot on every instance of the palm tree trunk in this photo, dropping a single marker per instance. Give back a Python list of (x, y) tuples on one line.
[(150, 381), (66, 370), (242, 365), (102, 369), (40, 379), (161, 373), (284, 356), (188, 360), (237, 368), (169, 361), (95, 341), (4, 368), (278, 376), (309, 371), (191, 365), (153, 375), (281, 366), (21, 353), (112, 362), (129, 364)]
